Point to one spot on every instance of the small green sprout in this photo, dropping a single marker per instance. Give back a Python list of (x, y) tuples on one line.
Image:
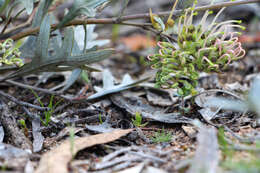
[(162, 137), (100, 119), (10, 54), (199, 48), (47, 114), (138, 120)]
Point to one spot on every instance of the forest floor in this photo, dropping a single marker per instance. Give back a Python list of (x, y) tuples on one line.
[(133, 128)]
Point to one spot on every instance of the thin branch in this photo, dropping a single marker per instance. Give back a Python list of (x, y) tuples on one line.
[(22, 103), (46, 91), (32, 31), (32, 87), (27, 23)]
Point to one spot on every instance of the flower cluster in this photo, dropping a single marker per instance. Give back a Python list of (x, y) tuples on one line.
[(10, 54), (203, 47)]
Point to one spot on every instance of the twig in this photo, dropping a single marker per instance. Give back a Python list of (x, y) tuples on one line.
[(221, 91), (114, 20), (46, 91), (27, 23), (32, 87), (22, 103), (30, 115)]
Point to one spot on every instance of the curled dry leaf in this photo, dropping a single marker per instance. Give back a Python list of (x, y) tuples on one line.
[(56, 160)]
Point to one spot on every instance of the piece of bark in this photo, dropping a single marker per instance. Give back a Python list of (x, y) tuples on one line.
[(15, 134)]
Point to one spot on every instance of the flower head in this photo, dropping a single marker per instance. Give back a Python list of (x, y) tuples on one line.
[(203, 47), (10, 54)]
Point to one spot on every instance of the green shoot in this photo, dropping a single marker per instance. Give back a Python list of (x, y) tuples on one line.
[(47, 114), (100, 119), (85, 77), (162, 137), (138, 120)]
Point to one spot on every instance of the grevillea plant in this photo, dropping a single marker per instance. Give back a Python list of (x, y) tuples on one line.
[(10, 54), (200, 48)]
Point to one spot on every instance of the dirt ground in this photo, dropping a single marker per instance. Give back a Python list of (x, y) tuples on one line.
[(101, 133)]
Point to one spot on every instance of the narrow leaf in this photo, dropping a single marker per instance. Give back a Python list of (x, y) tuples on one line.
[(73, 77), (43, 40), (42, 10), (89, 57), (67, 44)]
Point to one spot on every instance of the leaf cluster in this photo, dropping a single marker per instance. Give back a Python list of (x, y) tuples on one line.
[(48, 51), (138, 120), (10, 54), (162, 136)]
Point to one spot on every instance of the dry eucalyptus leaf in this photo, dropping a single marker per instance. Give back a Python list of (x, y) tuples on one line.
[(56, 160)]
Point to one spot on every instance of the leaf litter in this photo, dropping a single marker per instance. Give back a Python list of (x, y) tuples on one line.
[(57, 159), (115, 104)]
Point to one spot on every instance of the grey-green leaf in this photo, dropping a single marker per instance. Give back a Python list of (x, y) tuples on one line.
[(28, 4), (42, 43), (73, 77), (42, 10), (109, 87), (89, 57), (67, 43)]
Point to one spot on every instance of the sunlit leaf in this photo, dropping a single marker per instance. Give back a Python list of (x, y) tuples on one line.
[(109, 86)]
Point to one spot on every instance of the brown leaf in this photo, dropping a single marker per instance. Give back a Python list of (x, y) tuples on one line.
[(56, 160)]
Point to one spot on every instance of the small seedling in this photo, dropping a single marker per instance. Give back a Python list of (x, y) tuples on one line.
[(162, 137), (100, 119), (47, 114), (85, 77), (138, 120)]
